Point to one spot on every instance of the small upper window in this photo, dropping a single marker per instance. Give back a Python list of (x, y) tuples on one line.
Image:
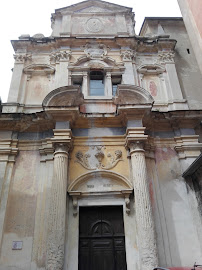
[(96, 83)]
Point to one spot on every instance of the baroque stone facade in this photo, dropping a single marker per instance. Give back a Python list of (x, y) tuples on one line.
[(103, 122)]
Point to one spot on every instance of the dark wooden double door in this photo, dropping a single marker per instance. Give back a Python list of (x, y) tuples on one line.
[(101, 238)]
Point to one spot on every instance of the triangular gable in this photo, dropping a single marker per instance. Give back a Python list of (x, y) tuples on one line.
[(93, 6)]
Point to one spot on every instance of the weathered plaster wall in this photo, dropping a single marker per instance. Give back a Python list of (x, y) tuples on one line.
[(176, 230), (20, 214), (191, 10)]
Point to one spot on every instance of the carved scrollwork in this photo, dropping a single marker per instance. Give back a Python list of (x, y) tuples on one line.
[(21, 58), (166, 57), (95, 51), (127, 55), (85, 159), (60, 56)]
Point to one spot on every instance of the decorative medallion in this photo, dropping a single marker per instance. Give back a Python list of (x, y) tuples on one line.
[(95, 160), (95, 50), (94, 25)]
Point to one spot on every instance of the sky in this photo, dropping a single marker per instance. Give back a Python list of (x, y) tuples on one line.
[(31, 17)]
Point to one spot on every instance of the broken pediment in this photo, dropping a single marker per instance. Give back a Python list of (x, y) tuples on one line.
[(65, 96), (132, 95)]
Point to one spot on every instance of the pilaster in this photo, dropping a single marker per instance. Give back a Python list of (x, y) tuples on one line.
[(61, 60), (20, 59), (128, 75), (8, 153), (43, 201)]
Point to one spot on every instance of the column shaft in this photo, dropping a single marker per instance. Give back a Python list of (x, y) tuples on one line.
[(143, 208), (56, 238)]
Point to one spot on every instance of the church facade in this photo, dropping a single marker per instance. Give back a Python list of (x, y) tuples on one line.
[(99, 127)]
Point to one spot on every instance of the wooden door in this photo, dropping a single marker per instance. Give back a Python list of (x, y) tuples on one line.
[(101, 238)]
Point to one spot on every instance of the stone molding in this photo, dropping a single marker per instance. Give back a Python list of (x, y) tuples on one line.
[(78, 190), (38, 69), (187, 146), (46, 150), (8, 150), (135, 138), (150, 69)]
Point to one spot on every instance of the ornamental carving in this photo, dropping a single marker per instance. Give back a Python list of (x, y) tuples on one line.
[(21, 58), (93, 159), (95, 51), (127, 55), (166, 57), (60, 56), (94, 25)]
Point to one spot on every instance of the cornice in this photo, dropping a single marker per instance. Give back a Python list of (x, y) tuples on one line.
[(8, 150)]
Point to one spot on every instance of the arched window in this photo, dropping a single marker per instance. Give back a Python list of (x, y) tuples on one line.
[(96, 83)]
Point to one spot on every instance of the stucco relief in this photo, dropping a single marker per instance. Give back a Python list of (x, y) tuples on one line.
[(95, 161), (94, 50), (59, 56), (128, 55), (22, 58), (94, 25), (166, 57)]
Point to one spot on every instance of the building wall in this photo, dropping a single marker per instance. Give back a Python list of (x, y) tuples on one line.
[(56, 140), (191, 15)]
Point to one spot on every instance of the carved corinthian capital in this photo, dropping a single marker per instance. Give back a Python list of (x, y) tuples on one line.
[(21, 58), (137, 146)]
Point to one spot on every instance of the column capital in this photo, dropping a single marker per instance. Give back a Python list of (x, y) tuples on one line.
[(62, 140), (135, 138)]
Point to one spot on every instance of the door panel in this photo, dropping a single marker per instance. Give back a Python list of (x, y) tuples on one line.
[(101, 238)]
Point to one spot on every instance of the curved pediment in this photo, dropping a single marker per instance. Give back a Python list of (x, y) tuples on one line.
[(151, 69), (65, 96), (39, 69), (132, 95), (100, 182)]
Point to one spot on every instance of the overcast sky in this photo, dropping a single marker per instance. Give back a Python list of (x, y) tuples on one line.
[(31, 17)]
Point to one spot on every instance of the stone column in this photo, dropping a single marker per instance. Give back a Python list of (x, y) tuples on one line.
[(144, 217), (57, 216)]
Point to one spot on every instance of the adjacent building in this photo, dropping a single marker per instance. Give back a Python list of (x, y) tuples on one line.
[(99, 127)]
